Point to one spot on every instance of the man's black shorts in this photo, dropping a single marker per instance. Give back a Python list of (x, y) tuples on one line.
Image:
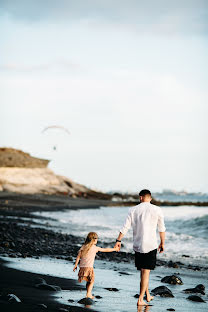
[(145, 260)]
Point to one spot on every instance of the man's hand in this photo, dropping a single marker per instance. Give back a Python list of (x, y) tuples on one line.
[(161, 247), (117, 246)]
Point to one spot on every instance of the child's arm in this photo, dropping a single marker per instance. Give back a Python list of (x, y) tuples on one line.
[(108, 249), (76, 262)]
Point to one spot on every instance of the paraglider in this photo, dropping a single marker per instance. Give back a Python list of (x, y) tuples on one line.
[(55, 127), (59, 127)]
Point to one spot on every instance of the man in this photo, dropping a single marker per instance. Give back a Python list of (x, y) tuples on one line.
[(144, 219)]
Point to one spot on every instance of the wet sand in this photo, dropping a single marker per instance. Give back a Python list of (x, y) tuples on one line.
[(22, 237)]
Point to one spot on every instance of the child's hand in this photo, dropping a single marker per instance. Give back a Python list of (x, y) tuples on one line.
[(75, 268), (116, 248)]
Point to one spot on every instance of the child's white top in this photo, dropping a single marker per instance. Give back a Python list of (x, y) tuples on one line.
[(88, 260)]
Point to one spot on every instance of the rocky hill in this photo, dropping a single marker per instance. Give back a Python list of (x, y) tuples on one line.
[(22, 173), (10, 157)]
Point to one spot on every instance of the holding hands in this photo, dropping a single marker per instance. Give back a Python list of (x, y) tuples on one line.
[(116, 247)]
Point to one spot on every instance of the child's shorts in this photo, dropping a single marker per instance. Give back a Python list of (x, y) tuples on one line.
[(86, 274)]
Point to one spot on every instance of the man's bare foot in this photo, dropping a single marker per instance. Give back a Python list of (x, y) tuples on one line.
[(149, 298), (90, 296), (141, 303)]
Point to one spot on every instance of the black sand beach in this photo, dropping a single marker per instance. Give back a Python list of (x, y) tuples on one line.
[(22, 237)]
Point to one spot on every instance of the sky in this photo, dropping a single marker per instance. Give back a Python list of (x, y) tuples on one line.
[(128, 79)]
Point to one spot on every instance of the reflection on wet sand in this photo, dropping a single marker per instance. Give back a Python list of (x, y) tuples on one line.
[(143, 308)]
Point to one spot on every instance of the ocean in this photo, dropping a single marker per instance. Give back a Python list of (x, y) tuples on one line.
[(186, 229)]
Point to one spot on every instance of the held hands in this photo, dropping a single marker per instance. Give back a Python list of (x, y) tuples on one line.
[(117, 246), (161, 247)]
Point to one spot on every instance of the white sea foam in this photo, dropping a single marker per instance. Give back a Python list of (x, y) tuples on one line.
[(186, 228)]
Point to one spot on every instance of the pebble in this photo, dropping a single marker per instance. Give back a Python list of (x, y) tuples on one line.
[(198, 289), (13, 298), (172, 279), (112, 289), (48, 287), (42, 305), (195, 298), (162, 291), (86, 301)]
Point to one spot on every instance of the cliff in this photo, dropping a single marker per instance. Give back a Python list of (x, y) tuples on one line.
[(10, 157)]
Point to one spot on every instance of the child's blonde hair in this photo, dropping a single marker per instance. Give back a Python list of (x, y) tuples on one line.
[(89, 242)]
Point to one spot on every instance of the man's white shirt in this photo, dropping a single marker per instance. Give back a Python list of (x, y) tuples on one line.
[(144, 218)]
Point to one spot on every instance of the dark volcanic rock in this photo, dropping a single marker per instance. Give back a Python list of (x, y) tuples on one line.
[(162, 291), (195, 298), (124, 273), (48, 287), (172, 279), (112, 289), (42, 306), (136, 296), (170, 309), (12, 298), (86, 301), (198, 289), (70, 300), (98, 297)]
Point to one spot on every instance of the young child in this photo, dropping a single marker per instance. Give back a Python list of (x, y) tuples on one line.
[(86, 256)]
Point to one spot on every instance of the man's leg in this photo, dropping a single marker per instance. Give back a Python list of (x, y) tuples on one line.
[(143, 285), (149, 297)]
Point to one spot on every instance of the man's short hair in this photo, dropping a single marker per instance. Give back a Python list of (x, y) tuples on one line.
[(144, 193)]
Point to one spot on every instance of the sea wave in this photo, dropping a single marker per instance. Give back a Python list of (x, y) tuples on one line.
[(197, 227)]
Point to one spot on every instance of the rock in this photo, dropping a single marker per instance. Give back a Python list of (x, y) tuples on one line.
[(195, 298), (170, 309), (10, 157), (172, 264), (48, 287), (162, 291), (70, 300), (124, 273), (112, 289), (63, 310), (13, 298), (86, 301), (40, 281), (198, 289), (185, 256), (42, 305), (69, 258), (98, 297), (136, 296), (172, 279)]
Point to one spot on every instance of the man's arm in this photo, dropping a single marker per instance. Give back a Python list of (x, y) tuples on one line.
[(161, 229), (118, 241), (161, 247), (124, 230)]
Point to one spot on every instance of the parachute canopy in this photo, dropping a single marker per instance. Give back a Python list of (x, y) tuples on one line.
[(55, 127)]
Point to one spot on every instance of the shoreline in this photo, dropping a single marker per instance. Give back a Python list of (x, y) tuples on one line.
[(44, 202), (22, 237)]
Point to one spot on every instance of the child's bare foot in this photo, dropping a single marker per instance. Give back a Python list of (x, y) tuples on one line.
[(141, 303), (90, 296), (149, 298)]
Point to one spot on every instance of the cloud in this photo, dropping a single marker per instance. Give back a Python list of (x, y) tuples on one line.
[(63, 65), (161, 16)]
